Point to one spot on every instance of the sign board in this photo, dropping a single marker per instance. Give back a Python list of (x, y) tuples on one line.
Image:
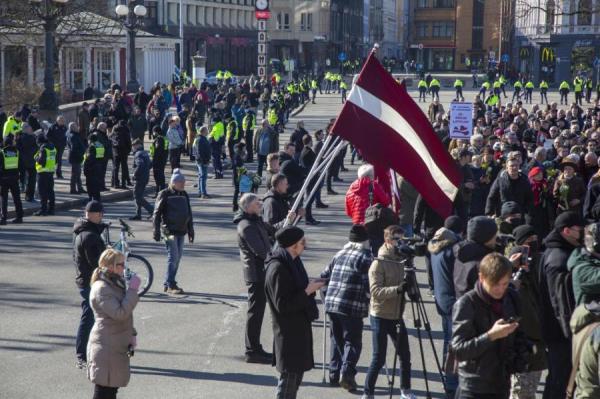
[(262, 37), (262, 71), (262, 15), (342, 56), (461, 120), (505, 58), (262, 48), (262, 60), (262, 25), (420, 46)]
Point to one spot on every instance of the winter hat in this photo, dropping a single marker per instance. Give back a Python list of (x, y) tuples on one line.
[(481, 229), (288, 236), (177, 176), (568, 219), (522, 233), (509, 208), (358, 233), (94, 206), (454, 223), (534, 171)]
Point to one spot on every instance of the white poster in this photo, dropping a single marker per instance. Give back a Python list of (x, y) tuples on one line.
[(461, 120)]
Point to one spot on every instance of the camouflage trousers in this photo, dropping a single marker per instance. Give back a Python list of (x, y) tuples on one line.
[(524, 385)]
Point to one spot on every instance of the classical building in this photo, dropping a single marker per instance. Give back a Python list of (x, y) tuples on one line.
[(224, 31), (558, 39), (454, 34), (314, 33), (93, 54)]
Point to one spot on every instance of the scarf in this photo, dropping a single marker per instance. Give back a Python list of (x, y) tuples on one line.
[(494, 304), (113, 278), (539, 189)]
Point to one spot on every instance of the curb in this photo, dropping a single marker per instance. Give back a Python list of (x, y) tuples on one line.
[(299, 109)]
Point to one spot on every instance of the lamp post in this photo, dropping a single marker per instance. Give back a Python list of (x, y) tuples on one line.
[(48, 11), (131, 16)]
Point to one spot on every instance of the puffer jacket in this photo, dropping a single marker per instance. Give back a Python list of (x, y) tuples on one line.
[(108, 363), (357, 198), (173, 213), (587, 379), (87, 247), (442, 265), (467, 255), (386, 279)]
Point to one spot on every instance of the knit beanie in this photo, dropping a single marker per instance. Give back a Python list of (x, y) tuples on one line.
[(481, 229)]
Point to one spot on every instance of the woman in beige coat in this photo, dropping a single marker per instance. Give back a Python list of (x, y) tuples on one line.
[(113, 337)]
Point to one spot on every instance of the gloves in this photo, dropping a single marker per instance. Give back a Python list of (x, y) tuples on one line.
[(401, 288), (133, 342), (191, 238), (134, 282), (157, 236)]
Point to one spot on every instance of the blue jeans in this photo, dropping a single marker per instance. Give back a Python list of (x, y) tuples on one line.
[(346, 344), (408, 230), (174, 254), (381, 329), (85, 324), (451, 379), (202, 177)]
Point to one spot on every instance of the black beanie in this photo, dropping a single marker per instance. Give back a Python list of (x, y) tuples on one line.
[(288, 236), (358, 233), (568, 219), (522, 233), (481, 229), (509, 208), (455, 224)]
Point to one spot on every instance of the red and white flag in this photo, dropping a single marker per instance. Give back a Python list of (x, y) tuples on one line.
[(389, 129)]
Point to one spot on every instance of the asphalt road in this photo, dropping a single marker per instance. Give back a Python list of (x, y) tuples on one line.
[(189, 347)]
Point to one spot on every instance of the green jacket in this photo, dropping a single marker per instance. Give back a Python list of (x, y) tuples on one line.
[(587, 380), (585, 273)]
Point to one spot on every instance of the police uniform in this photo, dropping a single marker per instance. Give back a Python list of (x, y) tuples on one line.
[(9, 181), (517, 93), (529, 91), (216, 138), (578, 89), (45, 166), (564, 89), (93, 167), (434, 87), (344, 89), (248, 126), (485, 86), (422, 90), (544, 91), (458, 85), (313, 87)]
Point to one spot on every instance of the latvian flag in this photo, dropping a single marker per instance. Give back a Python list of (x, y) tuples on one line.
[(389, 129)]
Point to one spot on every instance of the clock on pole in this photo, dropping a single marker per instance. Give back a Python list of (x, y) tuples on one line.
[(261, 9)]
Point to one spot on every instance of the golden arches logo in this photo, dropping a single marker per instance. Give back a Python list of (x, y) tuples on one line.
[(548, 54), (524, 53)]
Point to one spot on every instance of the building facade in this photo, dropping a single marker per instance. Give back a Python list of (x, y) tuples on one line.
[(311, 34), (558, 40), (454, 35)]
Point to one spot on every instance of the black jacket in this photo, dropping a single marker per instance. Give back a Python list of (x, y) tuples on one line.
[(76, 147), (93, 169), (8, 175), (161, 152), (295, 175), (137, 125), (556, 288), (201, 150), (141, 167), (275, 209), (254, 241), (424, 214), (485, 366), (121, 140), (57, 135), (505, 189), (87, 248), (292, 311), (467, 255), (173, 213), (27, 147)]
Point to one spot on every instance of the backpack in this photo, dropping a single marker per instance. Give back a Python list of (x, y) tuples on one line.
[(245, 181), (377, 216)]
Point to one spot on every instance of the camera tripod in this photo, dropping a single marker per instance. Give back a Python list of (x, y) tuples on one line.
[(421, 320)]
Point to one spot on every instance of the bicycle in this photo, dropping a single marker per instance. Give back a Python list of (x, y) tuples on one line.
[(133, 263)]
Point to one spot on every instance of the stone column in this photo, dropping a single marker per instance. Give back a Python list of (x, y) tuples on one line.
[(61, 70), (88, 67), (117, 66), (30, 66), (198, 69)]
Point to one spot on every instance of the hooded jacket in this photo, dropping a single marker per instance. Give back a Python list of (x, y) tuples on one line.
[(442, 266), (87, 248), (556, 292), (386, 284), (357, 198), (254, 241), (587, 379), (585, 272), (275, 209), (467, 255)]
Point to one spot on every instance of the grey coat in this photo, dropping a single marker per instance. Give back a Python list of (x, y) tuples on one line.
[(408, 200), (108, 363)]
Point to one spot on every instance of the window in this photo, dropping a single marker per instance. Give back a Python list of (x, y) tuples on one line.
[(422, 3), (444, 4), (477, 38), (421, 28), (283, 21), (442, 29), (201, 16), (191, 15), (306, 21), (217, 17), (75, 62), (551, 7), (173, 13), (584, 16), (208, 15), (152, 15), (104, 68), (225, 20)]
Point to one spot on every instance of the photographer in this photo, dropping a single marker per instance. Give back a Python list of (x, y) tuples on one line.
[(481, 240), (486, 338), (387, 286), (525, 257), (584, 266)]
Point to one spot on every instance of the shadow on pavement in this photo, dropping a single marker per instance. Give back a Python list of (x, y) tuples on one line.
[(242, 378)]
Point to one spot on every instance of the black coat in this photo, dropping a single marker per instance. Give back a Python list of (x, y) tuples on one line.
[(93, 170), (505, 189), (173, 213), (254, 241), (467, 255), (121, 140), (57, 135), (275, 209), (424, 214), (76, 147), (141, 167), (87, 247), (293, 312), (295, 175), (556, 288), (27, 147), (485, 366)]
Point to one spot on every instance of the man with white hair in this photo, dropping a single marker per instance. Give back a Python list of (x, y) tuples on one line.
[(363, 192), (254, 240)]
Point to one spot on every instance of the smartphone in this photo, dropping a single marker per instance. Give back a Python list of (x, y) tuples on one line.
[(512, 319), (524, 254)]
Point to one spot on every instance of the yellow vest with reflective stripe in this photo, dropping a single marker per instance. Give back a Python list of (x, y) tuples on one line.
[(11, 159), (458, 83), (564, 85), (492, 100), (272, 117), (50, 162), (422, 83), (529, 85), (248, 122), (153, 147), (543, 85), (99, 149)]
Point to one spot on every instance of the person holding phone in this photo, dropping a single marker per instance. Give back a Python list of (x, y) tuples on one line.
[(487, 340)]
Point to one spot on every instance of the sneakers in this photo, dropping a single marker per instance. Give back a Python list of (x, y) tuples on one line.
[(174, 290), (331, 192), (259, 357), (81, 364), (407, 394), (349, 384), (312, 222)]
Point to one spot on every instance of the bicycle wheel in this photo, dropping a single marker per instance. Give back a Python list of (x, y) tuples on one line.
[(140, 266)]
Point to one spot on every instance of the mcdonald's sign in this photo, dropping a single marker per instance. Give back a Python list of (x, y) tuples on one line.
[(548, 54), (524, 52)]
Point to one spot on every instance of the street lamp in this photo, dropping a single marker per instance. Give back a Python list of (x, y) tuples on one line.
[(48, 11), (131, 16)]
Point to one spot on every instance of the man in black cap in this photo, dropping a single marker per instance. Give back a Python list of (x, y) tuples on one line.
[(557, 299), (511, 216), (347, 303), (290, 295), (481, 240), (87, 248)]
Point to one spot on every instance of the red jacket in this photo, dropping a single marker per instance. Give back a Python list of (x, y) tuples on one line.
[(357, 198)]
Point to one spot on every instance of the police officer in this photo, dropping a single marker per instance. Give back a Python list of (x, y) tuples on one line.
[(45, 166), (232, 136), (497, 86), (216, 138), (458, 86), (529, 91), (9, 180), (141, 176), (27, 146), (492, 101), (159, 152), (343, 89), (93, 167), (564, 89), (434, 87), (578, 88), (248, 126), (101, 133), (517, 92), (313, 87), (544, 91), (588, 89), (485, 86), (422, 90)]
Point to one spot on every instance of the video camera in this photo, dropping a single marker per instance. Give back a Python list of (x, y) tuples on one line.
[(411, 247)]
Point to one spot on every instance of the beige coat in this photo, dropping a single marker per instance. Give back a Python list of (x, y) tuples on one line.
[(108, 363), (384, 279)]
